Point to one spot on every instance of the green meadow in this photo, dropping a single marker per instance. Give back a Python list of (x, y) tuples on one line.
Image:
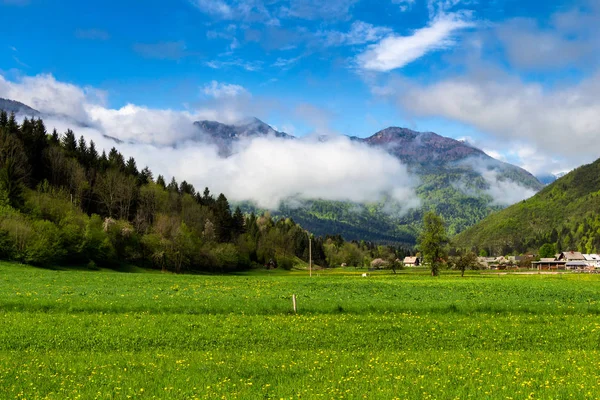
[(68, 334)]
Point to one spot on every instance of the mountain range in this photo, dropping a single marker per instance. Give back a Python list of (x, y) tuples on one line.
[(458, 181), (455, 181)]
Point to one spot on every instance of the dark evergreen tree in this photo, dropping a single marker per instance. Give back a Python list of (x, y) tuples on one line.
[(223, 219), (82, 151), (160, 181), (103, 163), (145, 176), (131, 168), (3, 119), (207, 198), (187, 188), (237, 223), (92, 155), (12, 127), (116, 160), (55, 138), (173, 186), (69, 143)]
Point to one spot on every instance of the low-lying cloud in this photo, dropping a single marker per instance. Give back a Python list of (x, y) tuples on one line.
[(502, 190), (265, 170)]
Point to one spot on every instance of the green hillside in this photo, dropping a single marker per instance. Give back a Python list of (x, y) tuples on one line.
[(565, 213)]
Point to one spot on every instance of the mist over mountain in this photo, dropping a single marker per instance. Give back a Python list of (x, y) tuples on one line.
[(16, 107), (455, 179), (374, 188)]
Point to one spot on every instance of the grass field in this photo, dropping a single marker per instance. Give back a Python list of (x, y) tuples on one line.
[(107, 335)]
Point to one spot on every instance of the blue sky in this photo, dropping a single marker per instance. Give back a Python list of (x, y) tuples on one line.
[(512, 76)]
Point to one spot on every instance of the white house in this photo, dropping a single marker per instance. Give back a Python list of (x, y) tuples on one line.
[(592, 260)]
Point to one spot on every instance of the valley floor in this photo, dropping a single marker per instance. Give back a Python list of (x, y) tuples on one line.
[(107, 335)]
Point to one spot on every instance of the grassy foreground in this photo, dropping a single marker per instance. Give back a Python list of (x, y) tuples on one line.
[(108, 335)]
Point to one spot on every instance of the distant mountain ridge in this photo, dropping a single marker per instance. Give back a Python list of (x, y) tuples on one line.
[(12, 106), (451, 173), (224, 136)]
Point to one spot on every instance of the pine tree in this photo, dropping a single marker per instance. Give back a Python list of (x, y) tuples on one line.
[(103, 162), (82, 151), (92, 155), (3, 119), (223, 219), (131, 167), (145, 176), (237, 223), (173, 186), (55, 139), (69, 143), (160, 181), (187, 188), (116, 160), (12, 127)]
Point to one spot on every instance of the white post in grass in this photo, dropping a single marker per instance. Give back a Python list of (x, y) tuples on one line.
[(294, 303)]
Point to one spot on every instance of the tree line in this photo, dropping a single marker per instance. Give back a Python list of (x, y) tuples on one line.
[(63, 202)]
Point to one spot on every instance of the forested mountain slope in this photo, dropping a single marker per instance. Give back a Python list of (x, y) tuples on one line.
[(456, 180), (565, 213), (62, 202)]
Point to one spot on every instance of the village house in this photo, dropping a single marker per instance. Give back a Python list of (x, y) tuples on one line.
[(569, 256), (549, 264), (411, 261), (592, 260)]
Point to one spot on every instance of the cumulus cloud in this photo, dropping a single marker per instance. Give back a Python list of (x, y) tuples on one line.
[(47, 95), (264, 170), (555, 120), (224, 90), (397, 51)]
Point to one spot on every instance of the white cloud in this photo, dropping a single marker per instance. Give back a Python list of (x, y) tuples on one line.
[(318, 9), (251, 66), (561, 121), (242, 10), (263, 170), (404, 5), (47, 95), (505, 192), (360, 33), (214, 7), (502, 190), (224, 90), (286, 63), (437, 7), (397, 51)]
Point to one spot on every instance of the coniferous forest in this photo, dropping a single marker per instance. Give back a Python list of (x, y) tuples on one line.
[(64, 202)]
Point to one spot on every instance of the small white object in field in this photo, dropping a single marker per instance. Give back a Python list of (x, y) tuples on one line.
[(364, 275)]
